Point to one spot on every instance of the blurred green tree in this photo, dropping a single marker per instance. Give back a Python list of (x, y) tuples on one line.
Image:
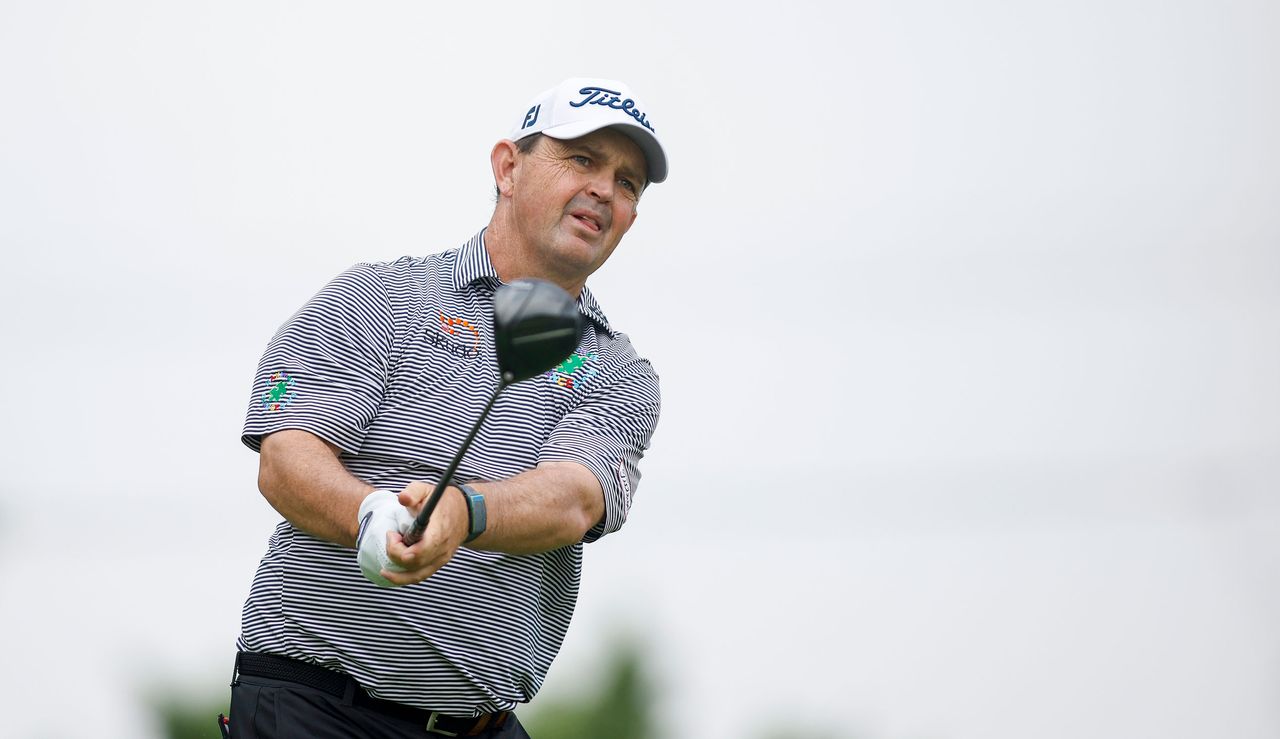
[(620, 707), (183, 717)]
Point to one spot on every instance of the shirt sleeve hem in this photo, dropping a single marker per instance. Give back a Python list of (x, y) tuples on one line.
[(346, 441)]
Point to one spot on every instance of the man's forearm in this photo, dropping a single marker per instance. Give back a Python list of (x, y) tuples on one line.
[(545, 508), (540, 510), (551, 506), (301, 476)]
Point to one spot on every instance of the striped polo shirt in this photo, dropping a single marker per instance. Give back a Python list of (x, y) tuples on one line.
[(392, 363)]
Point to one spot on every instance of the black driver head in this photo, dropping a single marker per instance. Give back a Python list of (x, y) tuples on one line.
[(536, 325)]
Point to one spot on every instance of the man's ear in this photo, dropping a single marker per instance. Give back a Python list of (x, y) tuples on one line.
[(504, 158)]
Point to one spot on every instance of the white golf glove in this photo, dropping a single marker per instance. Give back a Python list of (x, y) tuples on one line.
[(379, 513)]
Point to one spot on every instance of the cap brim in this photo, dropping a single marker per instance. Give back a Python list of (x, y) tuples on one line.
[(655, 158)]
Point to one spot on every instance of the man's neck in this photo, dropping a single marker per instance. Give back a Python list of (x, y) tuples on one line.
[(509, 256)]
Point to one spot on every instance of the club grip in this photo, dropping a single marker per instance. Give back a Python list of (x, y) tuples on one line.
[(414, 535)]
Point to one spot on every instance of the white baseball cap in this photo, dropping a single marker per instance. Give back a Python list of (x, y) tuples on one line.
[(578, 106)]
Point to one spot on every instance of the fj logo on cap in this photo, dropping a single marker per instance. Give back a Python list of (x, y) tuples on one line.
[(610, 99), (531, 117)]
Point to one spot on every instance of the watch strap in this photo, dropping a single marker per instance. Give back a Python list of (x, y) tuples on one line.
[(477, 514)]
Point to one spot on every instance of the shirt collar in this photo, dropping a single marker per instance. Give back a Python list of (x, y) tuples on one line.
[(473, 265), (591, 309)]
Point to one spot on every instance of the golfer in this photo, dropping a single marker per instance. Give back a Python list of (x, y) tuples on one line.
[(360, 402)]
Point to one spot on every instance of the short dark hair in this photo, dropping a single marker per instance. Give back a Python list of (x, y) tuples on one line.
[(524, 146)]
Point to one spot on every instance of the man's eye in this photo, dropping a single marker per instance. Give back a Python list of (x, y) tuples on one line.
[(627, 184), (581, 159)]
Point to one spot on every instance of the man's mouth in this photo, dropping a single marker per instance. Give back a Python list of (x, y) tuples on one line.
[(590, 220)]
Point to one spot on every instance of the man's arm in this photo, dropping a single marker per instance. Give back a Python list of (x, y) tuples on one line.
[(545, 508), (301, 476), (551, 506)]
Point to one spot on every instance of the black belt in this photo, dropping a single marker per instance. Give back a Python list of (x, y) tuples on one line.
[(260, 664)]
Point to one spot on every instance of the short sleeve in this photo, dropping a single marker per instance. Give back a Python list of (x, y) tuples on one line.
[(608, 432), (325, 370)]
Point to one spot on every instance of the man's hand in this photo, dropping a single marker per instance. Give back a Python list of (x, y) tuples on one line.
[(445, 532), (381, 517), (546, 508)]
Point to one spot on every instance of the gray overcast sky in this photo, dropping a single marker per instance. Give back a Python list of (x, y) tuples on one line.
[(967, 316)]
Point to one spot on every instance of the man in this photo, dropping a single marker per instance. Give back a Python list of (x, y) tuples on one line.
[(366, 393)]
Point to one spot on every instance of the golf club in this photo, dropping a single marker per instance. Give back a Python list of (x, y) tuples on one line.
[(536, 325)]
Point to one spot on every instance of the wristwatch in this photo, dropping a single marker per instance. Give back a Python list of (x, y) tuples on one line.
[(476, 514)]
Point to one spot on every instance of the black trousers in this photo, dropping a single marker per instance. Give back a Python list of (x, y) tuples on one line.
[(265, 708)]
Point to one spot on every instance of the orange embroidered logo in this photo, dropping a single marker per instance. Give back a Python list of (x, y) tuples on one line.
[(458, 328)]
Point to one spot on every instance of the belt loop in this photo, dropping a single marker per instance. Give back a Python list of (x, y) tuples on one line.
[(349, 691)]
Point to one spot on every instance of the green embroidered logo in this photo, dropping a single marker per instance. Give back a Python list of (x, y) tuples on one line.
[(571, 365), (573, 372), (281, 393)]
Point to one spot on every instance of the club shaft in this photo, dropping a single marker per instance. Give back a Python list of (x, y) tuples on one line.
[(420, 522)]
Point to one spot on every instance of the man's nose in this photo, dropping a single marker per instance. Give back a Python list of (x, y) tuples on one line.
[(601, 187)]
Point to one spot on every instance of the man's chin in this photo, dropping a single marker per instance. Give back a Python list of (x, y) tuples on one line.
[(574, 257), (573, 244)]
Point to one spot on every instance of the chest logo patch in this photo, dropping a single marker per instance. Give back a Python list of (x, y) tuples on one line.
[(458, 337), (574, 372), (281, 392)]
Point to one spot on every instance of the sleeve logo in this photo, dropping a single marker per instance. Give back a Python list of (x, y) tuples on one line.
[(625, 481), (281, 392), (574, 372)]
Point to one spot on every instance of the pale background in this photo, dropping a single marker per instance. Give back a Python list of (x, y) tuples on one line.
[(967, 316)]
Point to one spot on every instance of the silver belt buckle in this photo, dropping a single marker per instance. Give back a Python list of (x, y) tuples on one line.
[(431, 725)]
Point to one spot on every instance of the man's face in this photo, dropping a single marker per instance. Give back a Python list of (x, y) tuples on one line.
[(573, 200)]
